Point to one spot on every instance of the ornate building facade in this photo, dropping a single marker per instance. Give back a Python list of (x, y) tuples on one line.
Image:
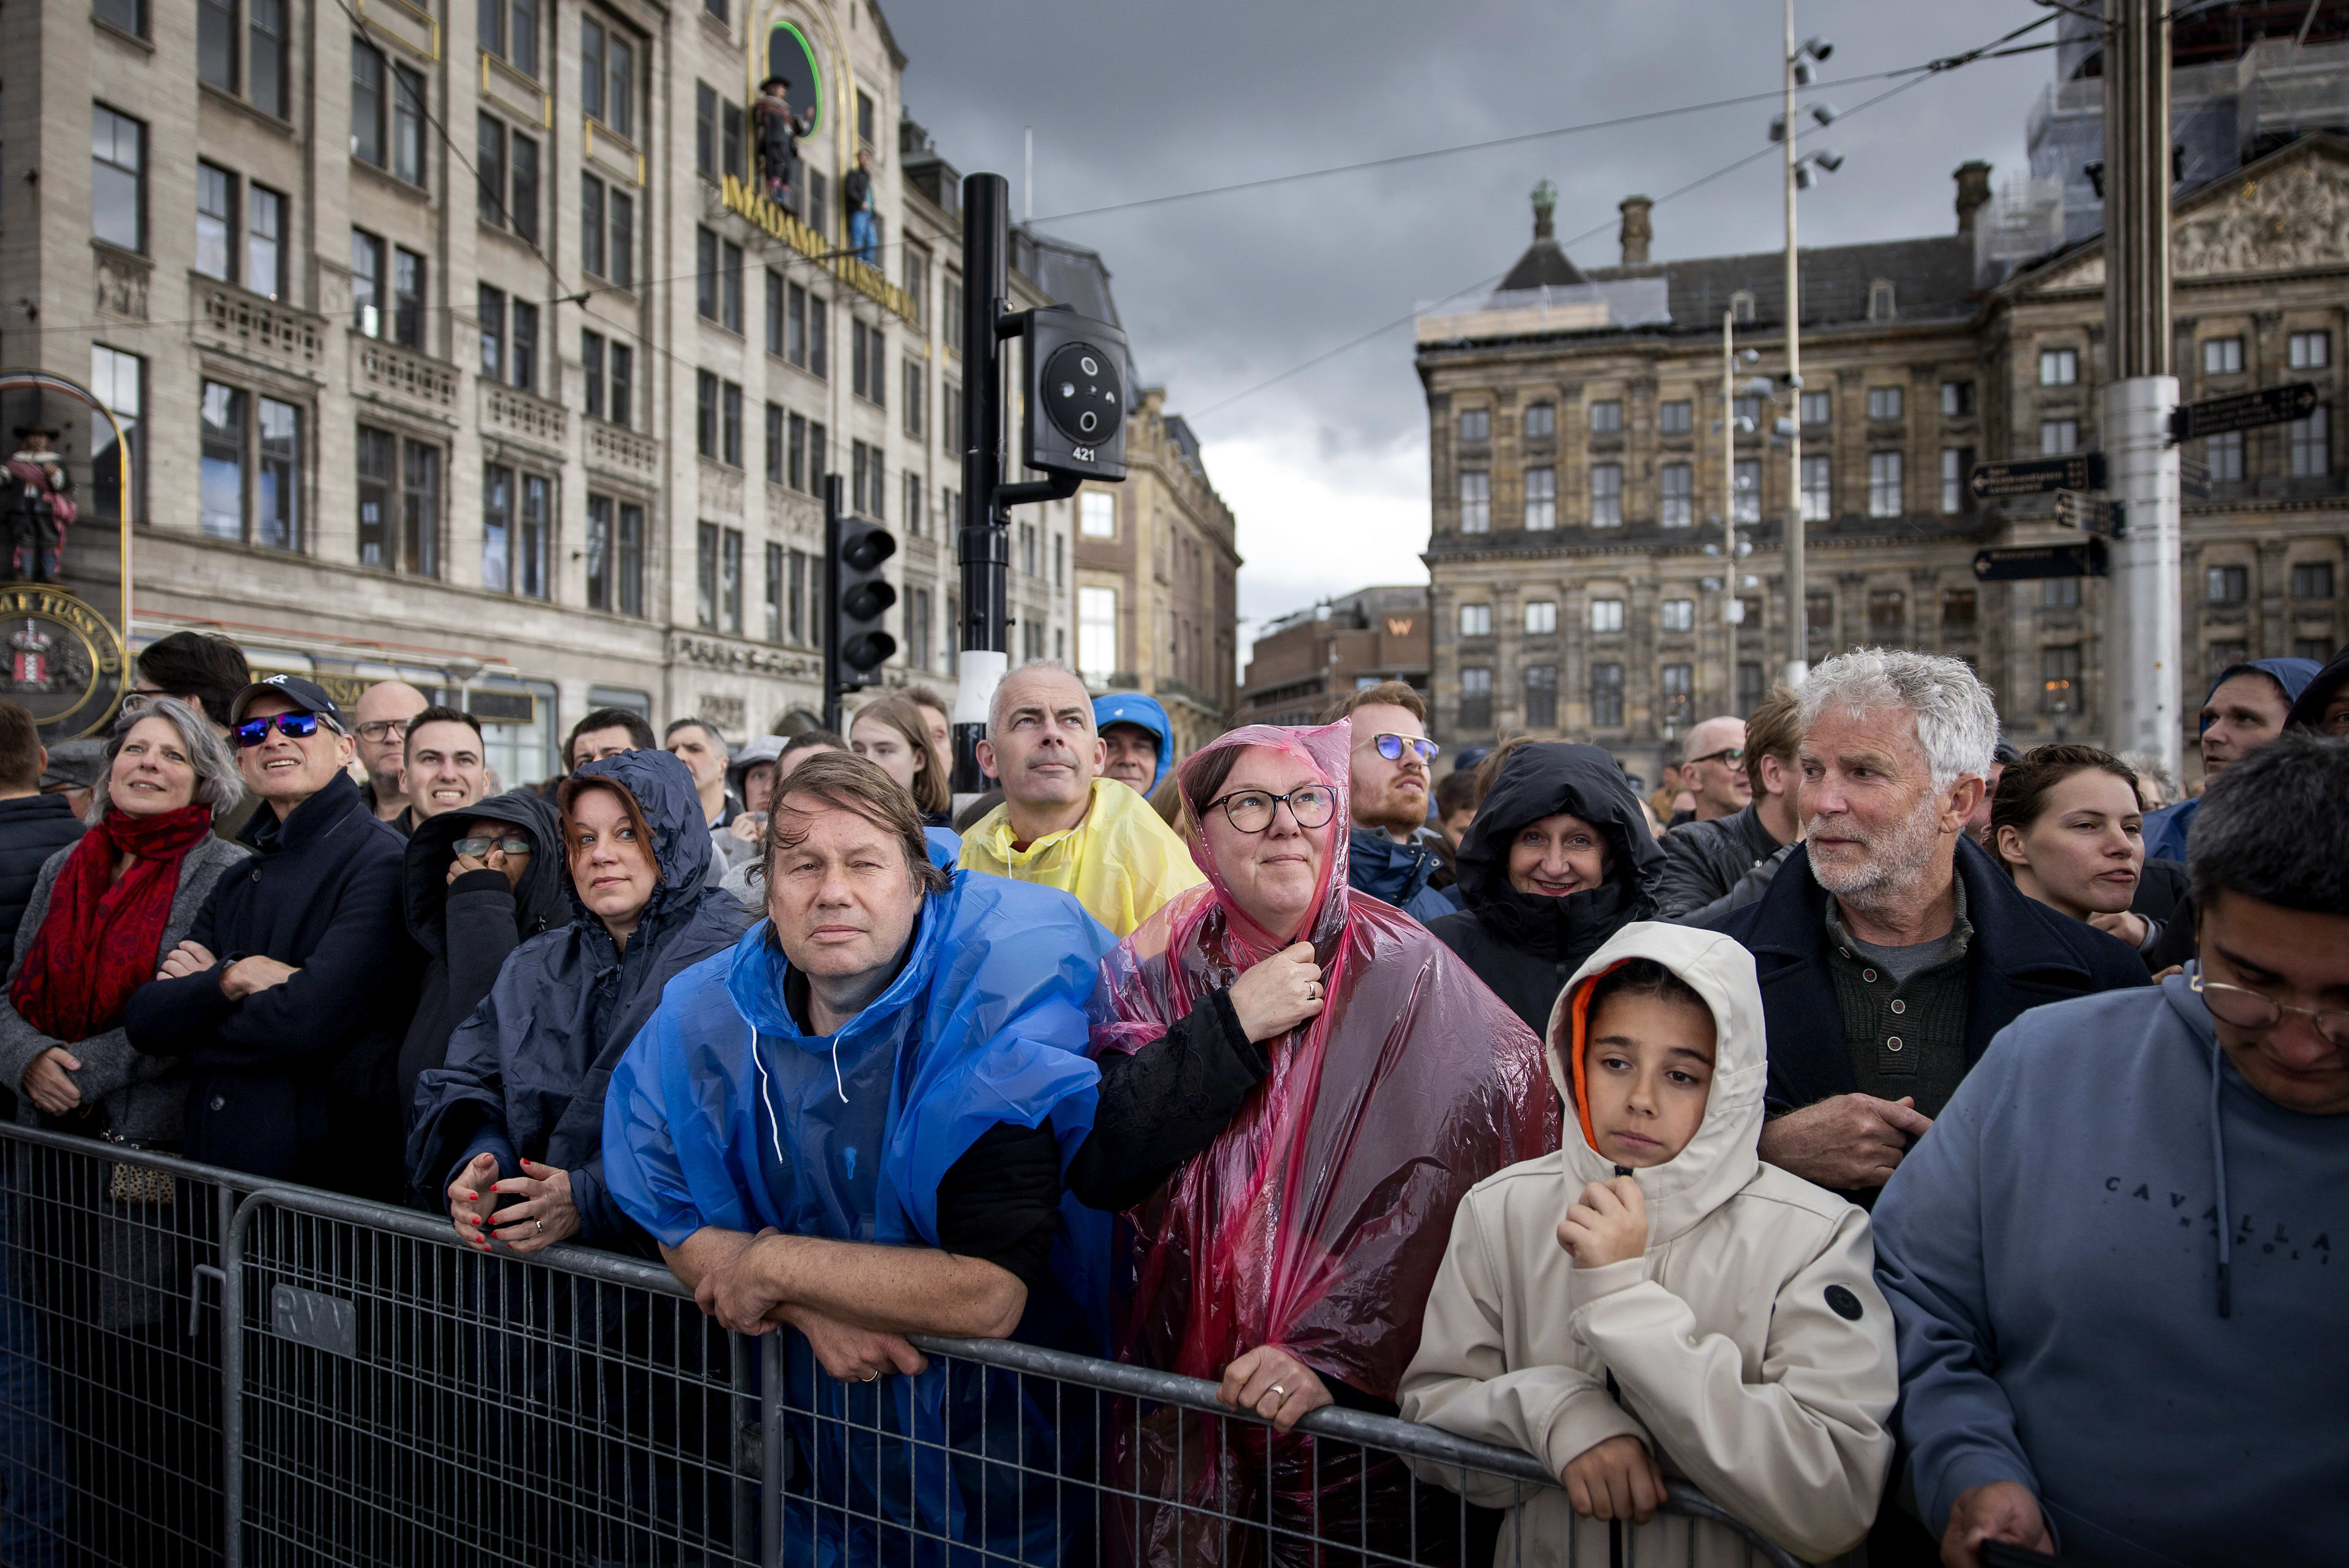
[(459, 341), (1579, 483)]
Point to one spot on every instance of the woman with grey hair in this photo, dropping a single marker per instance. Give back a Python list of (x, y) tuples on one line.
[(103, 914)]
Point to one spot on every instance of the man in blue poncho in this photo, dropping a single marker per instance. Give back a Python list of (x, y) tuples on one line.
[(853, 1123)]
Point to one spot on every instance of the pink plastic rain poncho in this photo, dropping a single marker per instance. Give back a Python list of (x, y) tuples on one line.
[(1318, 1218)]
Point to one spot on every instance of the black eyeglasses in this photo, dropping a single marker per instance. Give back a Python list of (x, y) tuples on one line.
[(2249, 1009), (1251, 810), (1726, 754), (381, 730), (1392, 747), (293, 726), (474, 848)]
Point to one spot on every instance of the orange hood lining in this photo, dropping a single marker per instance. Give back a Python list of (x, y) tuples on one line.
[(1578, 1023)]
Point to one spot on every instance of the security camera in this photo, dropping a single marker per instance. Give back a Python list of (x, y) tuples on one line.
[(1828, 160), (1818, 49), (1825, 113), (1802, 73)]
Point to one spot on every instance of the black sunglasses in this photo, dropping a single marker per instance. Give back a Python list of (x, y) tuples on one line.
[(474, 848), (293, 726)]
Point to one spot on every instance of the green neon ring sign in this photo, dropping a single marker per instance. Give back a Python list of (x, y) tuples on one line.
[(792, 67)]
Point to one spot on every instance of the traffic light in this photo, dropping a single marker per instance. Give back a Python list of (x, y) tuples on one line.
[(856, 642), (1077, 395)]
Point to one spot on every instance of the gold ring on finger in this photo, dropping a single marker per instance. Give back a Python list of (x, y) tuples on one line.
[(869, 1377), (1277, 1388)]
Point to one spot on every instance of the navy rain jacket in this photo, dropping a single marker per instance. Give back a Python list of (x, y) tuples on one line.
[(525, 1075)]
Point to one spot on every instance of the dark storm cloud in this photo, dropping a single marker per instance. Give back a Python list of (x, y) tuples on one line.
[(1220, 293)]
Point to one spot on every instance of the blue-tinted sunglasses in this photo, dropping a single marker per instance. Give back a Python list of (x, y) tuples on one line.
[(293, 726), (1392, 747)]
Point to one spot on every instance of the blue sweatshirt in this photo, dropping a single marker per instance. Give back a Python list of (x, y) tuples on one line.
[(2073, 1315)]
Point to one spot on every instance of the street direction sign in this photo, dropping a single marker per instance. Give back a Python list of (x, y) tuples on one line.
[(2193, 478), (2026, 563), (2037, 476), (2243, 411), (2091, 514)]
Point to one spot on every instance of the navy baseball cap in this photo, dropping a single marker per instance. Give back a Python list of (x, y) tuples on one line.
[(307, 697)]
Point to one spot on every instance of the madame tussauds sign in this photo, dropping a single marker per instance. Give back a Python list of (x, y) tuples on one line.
[(742, 200)]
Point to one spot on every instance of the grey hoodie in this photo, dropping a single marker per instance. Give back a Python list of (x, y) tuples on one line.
[(2076, 1316)]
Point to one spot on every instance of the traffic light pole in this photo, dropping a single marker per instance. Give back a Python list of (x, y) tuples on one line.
[(2143, 645), (831, 570), (984, 539)]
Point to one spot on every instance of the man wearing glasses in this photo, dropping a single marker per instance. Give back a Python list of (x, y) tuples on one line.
[(292, 992), (1712, 768), (385, 710), (1392, 854), (2114, 1260)]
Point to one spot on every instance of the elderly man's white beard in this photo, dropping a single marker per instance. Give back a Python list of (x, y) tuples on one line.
[(1894, 862)]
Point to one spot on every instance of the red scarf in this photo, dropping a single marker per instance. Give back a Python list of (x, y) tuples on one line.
[(97, 943)]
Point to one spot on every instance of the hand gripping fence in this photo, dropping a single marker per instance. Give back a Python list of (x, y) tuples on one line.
[(199, 1368)]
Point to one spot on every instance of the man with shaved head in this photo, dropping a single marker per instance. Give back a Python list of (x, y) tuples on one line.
[(381, 729), (1712, 768), (1060, 822)]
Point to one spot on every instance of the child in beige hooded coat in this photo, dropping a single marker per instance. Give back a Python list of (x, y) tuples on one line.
[(1654, 1301)]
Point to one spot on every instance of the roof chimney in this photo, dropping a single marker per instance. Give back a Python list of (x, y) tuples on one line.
[(1636, 232), (1973, 191)]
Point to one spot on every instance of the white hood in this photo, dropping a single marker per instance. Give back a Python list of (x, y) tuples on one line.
[(1721, 1159)]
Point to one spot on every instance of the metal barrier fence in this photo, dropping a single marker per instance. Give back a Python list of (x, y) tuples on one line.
[(198, 1369)]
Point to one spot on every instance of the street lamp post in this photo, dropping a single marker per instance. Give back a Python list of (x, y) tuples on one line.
[(1798, 618)]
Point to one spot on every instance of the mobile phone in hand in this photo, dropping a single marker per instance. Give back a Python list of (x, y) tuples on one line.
[(2006, 1554)]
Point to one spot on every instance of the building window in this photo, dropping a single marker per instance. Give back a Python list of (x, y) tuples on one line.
[(705, 413), (367, 103), (620, 255), (2222, 657), (1605, 615), (1746, 504), (400, 502), (118, 380), (215, 222), (1884, 484), (264, 241), (1675, 417), (1879, 300), (704, 132), (1097, 515), (367, 283), (1818, 619), (1541, 498), (1741, 305), (608, 77), (216, 44), (2311, 580), (2222, 355), (509, 29), (1607, 416), (523, 365), (774, 443), (2226, 585), (917, 628), (1957, 611), (489, 168), (1476, 503), (1476, 620), (2308, 350), (1541, 618), (1678, 614), (1541, 421), (1607, 696), (522, 187), (1607, 495), (506, 171), (1957, 466), (2059, 366), (1475, 424), (615, 553), (129, 15), (1747, 411), (493, 332), (591, 365), (1541, 696), (2223, 454), (1679, 495), (704, 273), (516, 514), (917, 396), (733, 142), (868, 372), (2057, 437), (222, 485), (705, 576), (1679, 693), (117, 179), (911, 516), (1476, 697), (2310, 442), (797, 610), (1749, 687), (729, 580), (1957, 400), (730, 432), (2059, 681), (1883, 402), (2059, 593), (1888, 617), (1818, 488), (864, 485), (387, 114), (1815, 409), (730, 286), (1097, 633), (795, 473)]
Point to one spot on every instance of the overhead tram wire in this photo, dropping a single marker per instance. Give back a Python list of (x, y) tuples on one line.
[(1991, 50)]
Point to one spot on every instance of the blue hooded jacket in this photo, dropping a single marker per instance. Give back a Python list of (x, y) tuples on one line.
[(2166, 830), (1396, 874), (726, 1113), (1133, 707), (525, 1074), (2110, 1269)]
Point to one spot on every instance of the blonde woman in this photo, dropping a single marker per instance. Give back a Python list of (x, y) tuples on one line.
[(894, 734)]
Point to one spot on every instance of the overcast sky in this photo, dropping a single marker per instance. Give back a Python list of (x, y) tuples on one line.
[(1327, 471)]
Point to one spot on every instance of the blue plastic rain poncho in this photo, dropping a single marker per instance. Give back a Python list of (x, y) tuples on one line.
[(1143, 712), (726, 1113)]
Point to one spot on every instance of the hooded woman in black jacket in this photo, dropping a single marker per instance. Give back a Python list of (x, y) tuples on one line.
[(468, 911), (1557, 860)]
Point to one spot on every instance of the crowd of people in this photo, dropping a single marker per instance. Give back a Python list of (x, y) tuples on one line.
[(1875, 1129)]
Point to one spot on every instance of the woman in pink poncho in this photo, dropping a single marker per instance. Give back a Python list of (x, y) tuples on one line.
[(1298, 1085)]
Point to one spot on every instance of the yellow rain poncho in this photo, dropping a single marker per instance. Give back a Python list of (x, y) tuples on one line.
[(1120, 862)]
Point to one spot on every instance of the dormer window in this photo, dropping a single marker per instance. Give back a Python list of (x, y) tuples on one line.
[(1741, 306), (1879, 300)]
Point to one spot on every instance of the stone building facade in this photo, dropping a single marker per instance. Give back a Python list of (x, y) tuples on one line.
[(1578, 583), (460, 344), (1302, 660), (1157, 567)]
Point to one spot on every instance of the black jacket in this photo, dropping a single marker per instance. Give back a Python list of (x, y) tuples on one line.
[(467, 928), (1526, 946), (526, 1070), (32, 828), (296, 1082), (2024, 954), (1703, 860)]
